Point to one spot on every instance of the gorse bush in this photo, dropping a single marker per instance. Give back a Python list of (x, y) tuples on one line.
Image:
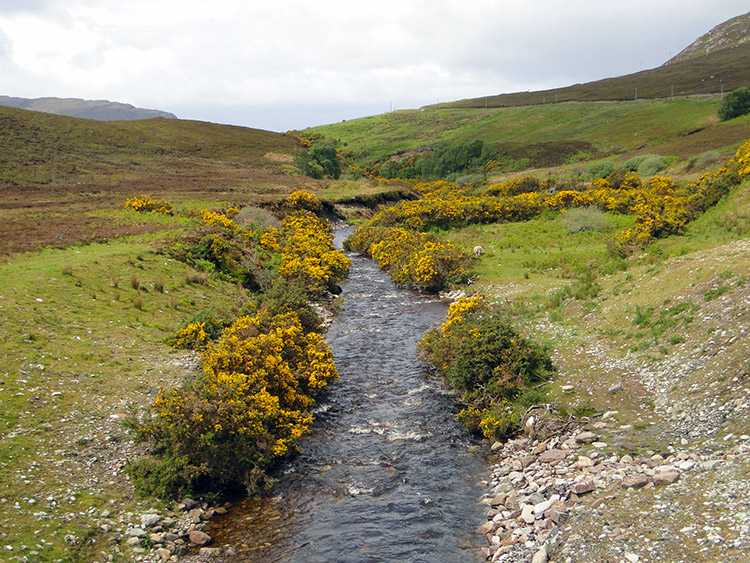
[(413, 259), (480, 354), (261, 374), (246, 410), (229, 252), (146, 204), (196, 333), (308, 253), (660, 206)]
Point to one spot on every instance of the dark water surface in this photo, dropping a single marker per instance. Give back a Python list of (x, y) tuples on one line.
[(386, 474)]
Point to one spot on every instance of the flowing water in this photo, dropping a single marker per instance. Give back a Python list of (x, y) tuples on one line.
[(386, 475)]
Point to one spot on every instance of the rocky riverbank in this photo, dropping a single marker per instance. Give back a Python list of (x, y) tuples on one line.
[(158, 537), (662, 474), (573, 497)]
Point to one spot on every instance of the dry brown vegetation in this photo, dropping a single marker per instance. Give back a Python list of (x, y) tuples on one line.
[(60, 177)]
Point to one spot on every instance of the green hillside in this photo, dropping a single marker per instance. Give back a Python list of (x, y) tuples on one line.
[(552, 134)]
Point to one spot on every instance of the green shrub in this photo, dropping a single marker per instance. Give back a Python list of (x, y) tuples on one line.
[(601, 169), (484, 357), (712, 294), (447, 159), (652, 165), (580, 219), (257, 216), (321, 159), (474, 178), (496, 370), (632, 164), (706, 158), (735, 104), (161, 478)]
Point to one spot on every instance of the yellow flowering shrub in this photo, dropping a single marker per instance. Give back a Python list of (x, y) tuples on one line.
[(262, 374), (274, 352), (214, 218), (301, 199), (146, 204), (252, 402), (661, 206), (741, 160), (413, 259), (269, 239), (192, 337), (458, 310), (308, 253), (481, 355)]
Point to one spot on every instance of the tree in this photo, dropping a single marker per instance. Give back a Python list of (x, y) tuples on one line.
[(735, 104), (319, 160)]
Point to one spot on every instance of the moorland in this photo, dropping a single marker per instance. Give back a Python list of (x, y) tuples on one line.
[(93, 289)]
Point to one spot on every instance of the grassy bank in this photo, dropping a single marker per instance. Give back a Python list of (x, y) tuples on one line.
[(83, 332)]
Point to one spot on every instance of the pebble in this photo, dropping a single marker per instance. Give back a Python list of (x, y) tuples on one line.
[(552, 456), (634, 481), (199, 537), (586, 437), (666, 477)]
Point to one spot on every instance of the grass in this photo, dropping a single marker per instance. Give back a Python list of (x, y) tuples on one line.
[(535, 256), (82, 343), (550, 135)]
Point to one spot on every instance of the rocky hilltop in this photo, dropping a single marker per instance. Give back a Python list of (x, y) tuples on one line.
[(100, 110), (727, 35)]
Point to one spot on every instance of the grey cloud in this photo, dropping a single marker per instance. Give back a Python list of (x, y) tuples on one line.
[(24, 6)]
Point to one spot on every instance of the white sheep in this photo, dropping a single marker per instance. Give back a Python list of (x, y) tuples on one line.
[(478, 251)]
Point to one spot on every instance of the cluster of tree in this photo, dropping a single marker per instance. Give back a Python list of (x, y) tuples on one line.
[(320, 160), (446, 160)]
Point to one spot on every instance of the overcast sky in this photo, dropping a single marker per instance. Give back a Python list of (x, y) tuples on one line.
[(291, 64)]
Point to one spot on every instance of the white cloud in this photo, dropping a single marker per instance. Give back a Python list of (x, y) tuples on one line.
[(332, 54)]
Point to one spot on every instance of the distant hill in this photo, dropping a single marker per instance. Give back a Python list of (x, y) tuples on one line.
[(100, 110), (717, 62), (731, 33), (38, 148)]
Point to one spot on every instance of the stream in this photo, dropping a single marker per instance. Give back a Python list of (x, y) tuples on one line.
[(387, 474)]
